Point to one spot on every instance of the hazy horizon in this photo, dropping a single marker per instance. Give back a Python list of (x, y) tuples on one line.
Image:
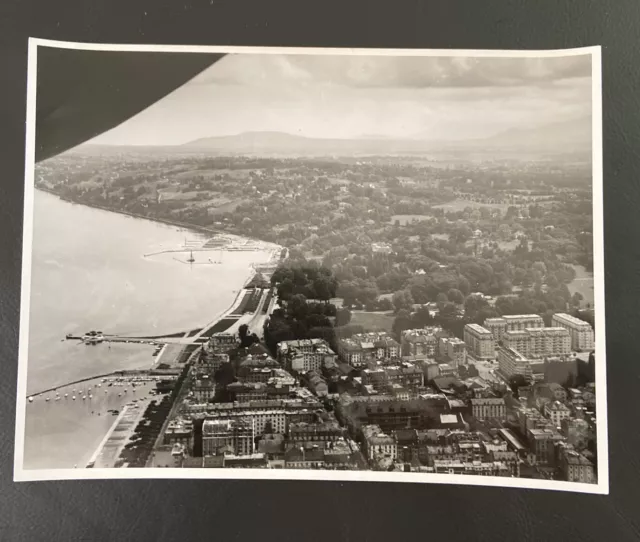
[(365, 97)]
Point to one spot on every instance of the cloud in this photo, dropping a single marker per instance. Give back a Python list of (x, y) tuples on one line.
[(441, 72), (350, 95), (373, 71)]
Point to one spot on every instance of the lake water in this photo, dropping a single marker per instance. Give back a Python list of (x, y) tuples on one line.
[(89, 271)]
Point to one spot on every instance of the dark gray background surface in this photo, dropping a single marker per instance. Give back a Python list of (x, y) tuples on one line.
[(234, 510)]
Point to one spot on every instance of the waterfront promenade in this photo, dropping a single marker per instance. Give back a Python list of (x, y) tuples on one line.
[(109, 450)]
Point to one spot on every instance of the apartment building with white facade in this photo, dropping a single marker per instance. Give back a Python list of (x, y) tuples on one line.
[(581, 332), (479, 341)]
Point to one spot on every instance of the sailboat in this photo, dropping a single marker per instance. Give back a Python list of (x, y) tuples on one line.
[(191, 258)]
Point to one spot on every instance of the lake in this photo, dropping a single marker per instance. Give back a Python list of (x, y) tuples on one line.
[(89, 271)]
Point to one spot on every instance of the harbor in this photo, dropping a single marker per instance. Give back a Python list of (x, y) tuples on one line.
[(124, 319)]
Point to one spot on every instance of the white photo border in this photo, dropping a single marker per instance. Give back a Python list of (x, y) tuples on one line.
[(25, 475)]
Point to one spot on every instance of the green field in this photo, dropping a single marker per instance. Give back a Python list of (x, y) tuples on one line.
[(373, 321), (583, 283)]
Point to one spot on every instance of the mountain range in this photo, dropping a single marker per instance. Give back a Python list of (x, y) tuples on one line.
[(557, 138)]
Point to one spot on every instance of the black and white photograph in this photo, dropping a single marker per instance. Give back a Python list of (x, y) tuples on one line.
[(315, 264)]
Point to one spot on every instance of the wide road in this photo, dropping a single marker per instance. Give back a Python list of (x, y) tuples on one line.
[(254, 320)]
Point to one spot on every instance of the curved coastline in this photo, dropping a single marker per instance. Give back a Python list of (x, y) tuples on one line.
[(212, 320), (190, 227)]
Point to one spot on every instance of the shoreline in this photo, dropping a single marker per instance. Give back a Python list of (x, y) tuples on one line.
[(167, 222), (96, 454), (273, 249)]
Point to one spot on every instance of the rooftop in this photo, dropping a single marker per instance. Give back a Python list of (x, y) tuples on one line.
[(575, 458), (488, 401), (571, 319), (478, 329), (547, 330)]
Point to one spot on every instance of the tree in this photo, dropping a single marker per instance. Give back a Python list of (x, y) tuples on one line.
[(402, 321), (455, 296), (225, 375), (576, 299), (402, 300), (343, 317), (522, 248), (297, 306), (243, 330)]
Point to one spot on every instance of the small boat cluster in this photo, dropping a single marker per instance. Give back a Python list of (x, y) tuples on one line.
[(93, 337)]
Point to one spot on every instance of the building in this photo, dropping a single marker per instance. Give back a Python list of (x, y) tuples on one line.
[(228, 435), (389, 412), (270, 421), (558, 391), (454, 351), (518, 341), (316, 432), (420, 342), (444, 369), (351, 353), (549, 341), (576, 467), (476, 468), (581, 332), (479, 341), (430, 369), (577, 431), (377, 444), (405, 374), (510, 458), (377, 378), (305, 355), (341, 454), (364, 347), (257, 368), (244, 461), (258, 391), (274, 415), (203, 389), (542, 443), (317, 384), (512, 363), (538, 342), (179, 431), (228, 340), (556, 412), (513, 444), (530, 418), (490, 407), (512, 322), (497, 327), (212, 359)]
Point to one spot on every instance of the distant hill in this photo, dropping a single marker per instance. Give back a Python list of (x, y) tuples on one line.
[(574, 135), (557, 138), (279, 143), (561, 138)]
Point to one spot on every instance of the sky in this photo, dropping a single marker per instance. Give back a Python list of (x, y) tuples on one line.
[(347, 96)]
